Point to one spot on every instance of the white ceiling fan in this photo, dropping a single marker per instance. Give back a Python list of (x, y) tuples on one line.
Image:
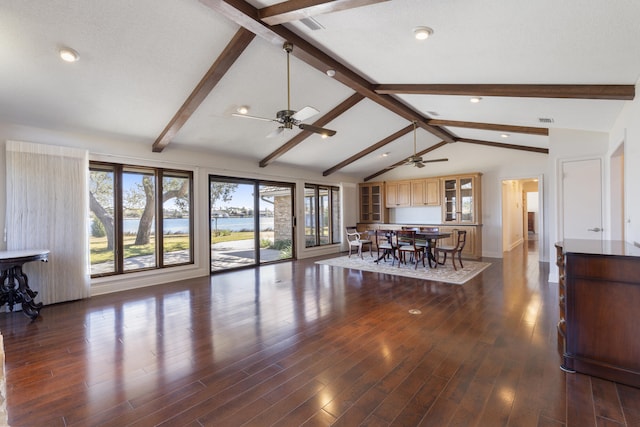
[(289, 118), (415, 160)]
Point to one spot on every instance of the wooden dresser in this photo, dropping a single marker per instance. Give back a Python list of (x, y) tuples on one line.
[(599, 296)]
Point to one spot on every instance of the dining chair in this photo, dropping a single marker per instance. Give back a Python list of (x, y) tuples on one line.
[(453, 250), (384, 243), (355, 241), (410, 247)]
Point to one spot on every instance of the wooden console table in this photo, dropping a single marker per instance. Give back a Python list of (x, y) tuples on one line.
[(14, 285), (599, 296)]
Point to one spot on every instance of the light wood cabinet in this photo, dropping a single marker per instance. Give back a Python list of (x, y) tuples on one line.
[(371, 197), (425, 192), (398, 194), (461, 199)]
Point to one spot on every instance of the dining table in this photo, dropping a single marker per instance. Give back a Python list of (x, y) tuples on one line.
[(431, 237)]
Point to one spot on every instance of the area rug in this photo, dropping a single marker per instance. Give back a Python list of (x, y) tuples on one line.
[(444, 273)]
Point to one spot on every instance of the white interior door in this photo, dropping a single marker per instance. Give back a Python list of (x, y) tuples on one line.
[(582, 199)]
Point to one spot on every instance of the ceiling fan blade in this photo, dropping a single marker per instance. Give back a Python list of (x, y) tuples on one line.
[(317, 129), (435, 160), (277, 131), (305, 113), (253, 117)]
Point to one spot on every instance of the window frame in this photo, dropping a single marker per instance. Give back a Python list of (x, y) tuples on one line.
[(159, 174), (332, 194)]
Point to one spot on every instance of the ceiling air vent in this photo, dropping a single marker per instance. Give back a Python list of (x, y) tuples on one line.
[(312, 24), (545, 120)]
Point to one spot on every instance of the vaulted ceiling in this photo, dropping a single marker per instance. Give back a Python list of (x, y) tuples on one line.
[(172, 74)]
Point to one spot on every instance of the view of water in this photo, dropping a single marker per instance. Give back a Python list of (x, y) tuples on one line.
[(179, 225)]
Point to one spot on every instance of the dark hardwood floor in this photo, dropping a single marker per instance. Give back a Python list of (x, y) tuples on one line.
[(305, 344)]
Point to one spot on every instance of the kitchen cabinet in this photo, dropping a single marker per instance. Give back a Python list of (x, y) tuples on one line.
[(371, 197), (425, 192), (461, 199), (398, 194)]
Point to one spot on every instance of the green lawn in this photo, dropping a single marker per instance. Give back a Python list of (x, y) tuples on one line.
[(172, 243)]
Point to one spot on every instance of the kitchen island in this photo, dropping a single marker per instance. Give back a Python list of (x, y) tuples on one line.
[(599, 297)]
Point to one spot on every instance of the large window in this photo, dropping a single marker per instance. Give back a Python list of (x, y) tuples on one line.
[(321, 215), (251, 222), (140, 218)]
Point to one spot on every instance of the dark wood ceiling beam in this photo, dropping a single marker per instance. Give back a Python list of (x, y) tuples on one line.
[(294, 10), (421, 153), (490, 126), (331, 115), (369, 150), (247, 16), (501, 145), (222, 64), (614, 92)]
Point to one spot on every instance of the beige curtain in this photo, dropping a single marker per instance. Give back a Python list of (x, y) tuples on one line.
[(47, 208)]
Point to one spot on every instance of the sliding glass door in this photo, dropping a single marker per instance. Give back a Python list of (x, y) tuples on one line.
[(251, 222)]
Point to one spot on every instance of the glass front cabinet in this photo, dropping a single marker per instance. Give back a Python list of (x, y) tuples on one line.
[(372, 208), (461, 199)]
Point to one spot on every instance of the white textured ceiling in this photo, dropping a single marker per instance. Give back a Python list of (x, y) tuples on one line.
[(141, 59)]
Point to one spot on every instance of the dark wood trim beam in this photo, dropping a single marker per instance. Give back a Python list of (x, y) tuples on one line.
[(231, 52), (490, 126), (421, 153), (614, 92), (369, 150), (501, 145), (321, 122), (294, 10), (247, 16)]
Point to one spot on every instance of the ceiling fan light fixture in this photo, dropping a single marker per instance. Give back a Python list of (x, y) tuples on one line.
[(68, 55), (422, 33)]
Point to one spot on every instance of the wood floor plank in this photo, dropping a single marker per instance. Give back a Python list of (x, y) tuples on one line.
[(606, 403), (297, 343), (580, 411)]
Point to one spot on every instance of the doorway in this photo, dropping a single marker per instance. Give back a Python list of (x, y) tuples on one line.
[(251, 222), (581, 199), (522, 219)]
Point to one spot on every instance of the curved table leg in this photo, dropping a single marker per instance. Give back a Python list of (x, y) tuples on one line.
[(20, 294)]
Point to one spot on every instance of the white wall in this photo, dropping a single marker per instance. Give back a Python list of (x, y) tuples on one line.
[(627, 130), (138, 152), (512, 214)]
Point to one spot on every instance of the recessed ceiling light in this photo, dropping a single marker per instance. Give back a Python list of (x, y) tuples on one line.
[(243, 109), (331, 73), (504, 135), (385, 154), (69, 55), (422, 33), (475, 99)]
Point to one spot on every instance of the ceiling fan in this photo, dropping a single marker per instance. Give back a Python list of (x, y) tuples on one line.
[(415, 160), (289, 118)]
